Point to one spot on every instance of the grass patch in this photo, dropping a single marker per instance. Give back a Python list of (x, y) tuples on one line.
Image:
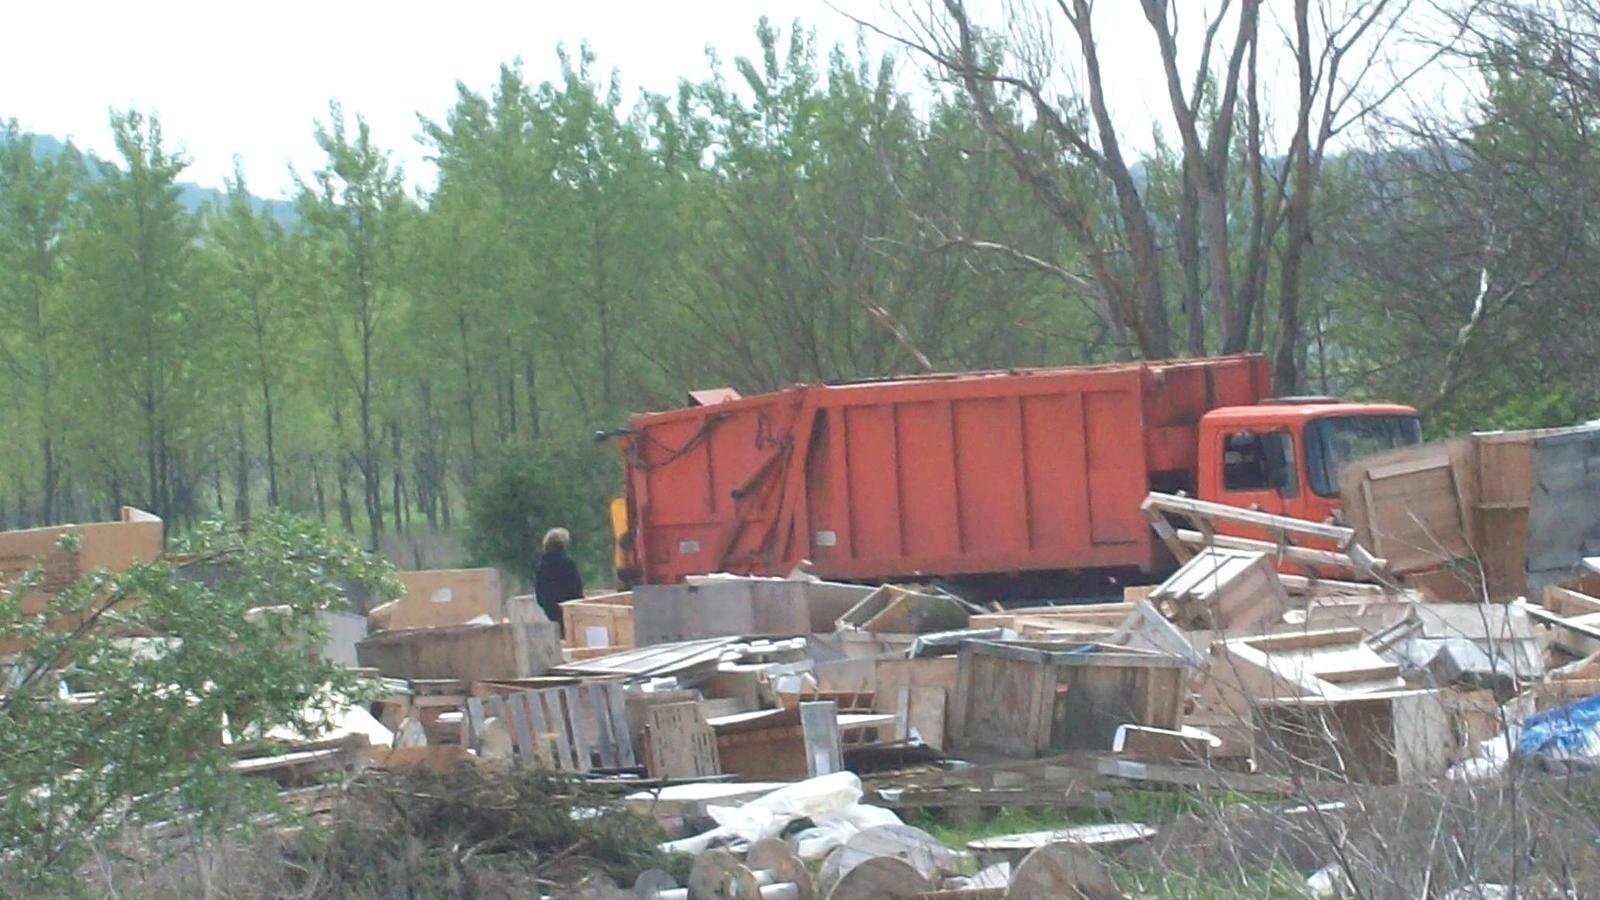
[(1189, 880), (1149, 807), (955, 833)]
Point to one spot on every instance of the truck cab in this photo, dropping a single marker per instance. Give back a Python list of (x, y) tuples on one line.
[(1283, 456)]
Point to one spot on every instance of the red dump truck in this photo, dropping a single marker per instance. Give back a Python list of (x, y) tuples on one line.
[(1018, 481)]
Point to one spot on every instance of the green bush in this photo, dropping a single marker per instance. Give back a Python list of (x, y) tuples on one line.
[(116, 720), (527, 491)]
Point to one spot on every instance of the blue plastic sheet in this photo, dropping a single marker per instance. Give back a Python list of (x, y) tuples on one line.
[(1571, 730)]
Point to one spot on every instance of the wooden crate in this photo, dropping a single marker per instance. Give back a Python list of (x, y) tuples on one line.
[(1222, 589), (599, 622), (1384, 737), (1026, 701)]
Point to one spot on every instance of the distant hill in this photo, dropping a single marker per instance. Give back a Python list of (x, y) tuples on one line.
[(193, 196)]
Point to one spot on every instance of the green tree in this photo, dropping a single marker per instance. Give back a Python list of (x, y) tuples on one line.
[(35, 196), (132, 259), (246, 249), (352, 210)]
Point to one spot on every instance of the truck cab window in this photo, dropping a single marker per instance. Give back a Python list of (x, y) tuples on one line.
[(1335, 440), (1244, 462), (1259, 462)]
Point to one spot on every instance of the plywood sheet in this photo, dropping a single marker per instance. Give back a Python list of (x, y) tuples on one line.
[(1563, 505), (734, 607), (681, 743), (436, 597), (1413, 505)]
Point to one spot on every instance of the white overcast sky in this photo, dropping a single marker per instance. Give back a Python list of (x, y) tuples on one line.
[(248, 78)]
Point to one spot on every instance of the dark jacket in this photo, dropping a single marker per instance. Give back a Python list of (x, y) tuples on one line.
[(558, 580)]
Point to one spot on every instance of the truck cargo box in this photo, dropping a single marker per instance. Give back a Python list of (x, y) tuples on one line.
[(931, 476)]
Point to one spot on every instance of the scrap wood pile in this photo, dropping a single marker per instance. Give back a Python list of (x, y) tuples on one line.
[(1282, 658)]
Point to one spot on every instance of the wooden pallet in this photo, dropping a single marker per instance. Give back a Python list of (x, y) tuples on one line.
[(548, 727)]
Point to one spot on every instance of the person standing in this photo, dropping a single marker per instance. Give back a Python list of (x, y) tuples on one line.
[(557, 579)]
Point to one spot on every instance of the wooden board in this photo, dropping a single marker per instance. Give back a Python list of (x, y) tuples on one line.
[(1331, 662), (737, 606), (467, 652), (920, 689), (680, 743), (1414, 505), (920, 714), (437, 597), (136, 536), (1505, 466), (819, 728), (891, 609), (1013, 847)]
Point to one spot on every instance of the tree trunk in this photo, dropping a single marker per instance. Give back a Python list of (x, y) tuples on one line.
[(50, 476), (320, 494), (1189, 258), (241, 484), (346, 511), (511, 389), (1286, 371), (470, 397), (271, 438), (397, 478), (529, 382)]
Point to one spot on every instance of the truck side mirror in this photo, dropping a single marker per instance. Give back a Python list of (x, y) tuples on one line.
[(1277, 449)]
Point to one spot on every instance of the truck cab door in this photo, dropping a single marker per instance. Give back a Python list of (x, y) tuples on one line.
[(1258, 471)]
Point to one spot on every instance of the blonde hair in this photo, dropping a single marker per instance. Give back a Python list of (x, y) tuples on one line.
[(556, 539)]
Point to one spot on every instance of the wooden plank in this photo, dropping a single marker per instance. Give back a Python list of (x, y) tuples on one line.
[(1186, 506), (1309, 556), (819, 725), (556, 727), (902, 713), (1195, 777), (926, 715), (475, 719), (540, 725), (601, 711), (1115, 834), (540, 721), (517, 710), (1169, 536), (574, 718), (617, 709)]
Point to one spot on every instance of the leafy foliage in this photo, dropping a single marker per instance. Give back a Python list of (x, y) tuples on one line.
[(124, 683), (799, 213), (525, 492)]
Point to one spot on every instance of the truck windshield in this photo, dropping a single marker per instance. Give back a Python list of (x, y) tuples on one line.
[(1335, 440)]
